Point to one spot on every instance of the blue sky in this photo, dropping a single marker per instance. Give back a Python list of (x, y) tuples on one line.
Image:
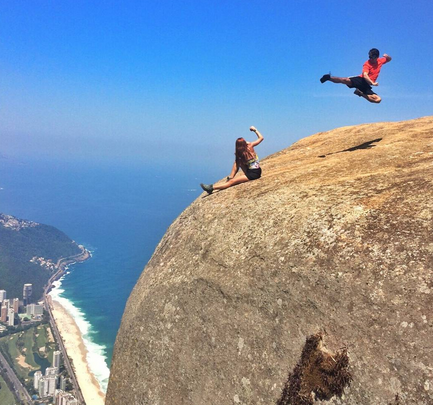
[(181, 80)]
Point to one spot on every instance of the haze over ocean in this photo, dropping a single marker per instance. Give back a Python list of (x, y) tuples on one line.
[(119, 212)]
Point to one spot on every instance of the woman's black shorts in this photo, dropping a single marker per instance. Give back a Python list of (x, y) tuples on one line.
[(361, 84), (253, 174)]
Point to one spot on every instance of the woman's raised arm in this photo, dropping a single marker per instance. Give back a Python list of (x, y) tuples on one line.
[(259, 137)]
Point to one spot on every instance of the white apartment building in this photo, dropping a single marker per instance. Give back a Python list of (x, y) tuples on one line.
[(43, 387), (62, 383), (2, 295), (51, 371), (34, 309), (4, 313), (11, 316), (47, 386), (64, 398), (36, 377), (56, 359)]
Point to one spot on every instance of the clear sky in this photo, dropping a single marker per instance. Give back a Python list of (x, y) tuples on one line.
[(181, 80)]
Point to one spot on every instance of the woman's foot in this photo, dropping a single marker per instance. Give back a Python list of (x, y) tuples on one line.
[(207, 187)]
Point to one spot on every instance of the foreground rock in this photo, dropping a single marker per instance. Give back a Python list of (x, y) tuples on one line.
[(336, 238)]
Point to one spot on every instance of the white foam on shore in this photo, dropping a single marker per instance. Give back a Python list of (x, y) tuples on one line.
[(96, 358)]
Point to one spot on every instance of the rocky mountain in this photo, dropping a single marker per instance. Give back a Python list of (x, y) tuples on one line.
[(322, 269)]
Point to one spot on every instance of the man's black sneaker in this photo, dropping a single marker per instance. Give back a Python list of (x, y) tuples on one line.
[(325, 78), (207, 187), (358, 92)]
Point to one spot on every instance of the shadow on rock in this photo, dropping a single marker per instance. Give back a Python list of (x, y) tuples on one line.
[(365, 145)]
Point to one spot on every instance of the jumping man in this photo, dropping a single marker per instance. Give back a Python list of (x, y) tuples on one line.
[(368, 78)]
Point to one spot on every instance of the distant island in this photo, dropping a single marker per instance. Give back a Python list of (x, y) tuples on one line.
[(31, 253)]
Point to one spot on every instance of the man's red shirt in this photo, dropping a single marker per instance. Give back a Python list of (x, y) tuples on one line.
[(373, 69)]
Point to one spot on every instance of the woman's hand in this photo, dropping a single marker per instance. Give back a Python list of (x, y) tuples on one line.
[(259, 136)]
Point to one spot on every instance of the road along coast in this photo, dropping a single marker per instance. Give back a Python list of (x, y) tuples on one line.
[(72, 345), (63, 263), (76, 350)]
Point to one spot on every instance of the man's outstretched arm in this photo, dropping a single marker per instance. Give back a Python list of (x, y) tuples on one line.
[(387, 57)]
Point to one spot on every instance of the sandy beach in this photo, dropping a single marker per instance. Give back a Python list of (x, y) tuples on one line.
[(78, 353)]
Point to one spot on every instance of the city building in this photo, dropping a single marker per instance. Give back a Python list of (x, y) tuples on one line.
[(65, 398), (47, 386), (57, 392), (2, 295), (43, 387), (51, 371), (16, 305), (27, 294), (34, 310), (62, 383), (4, 313), (56, 359), (11, 317), (36, 377)]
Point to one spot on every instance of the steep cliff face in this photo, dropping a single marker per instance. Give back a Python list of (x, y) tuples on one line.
[(336, 237)]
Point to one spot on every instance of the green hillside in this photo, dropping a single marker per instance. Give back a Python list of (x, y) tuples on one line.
[(20, 241)]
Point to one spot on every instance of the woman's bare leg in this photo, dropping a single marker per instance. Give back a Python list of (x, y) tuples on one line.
[(231, 182)]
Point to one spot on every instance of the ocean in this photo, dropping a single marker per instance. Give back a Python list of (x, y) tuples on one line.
[(118, 211)]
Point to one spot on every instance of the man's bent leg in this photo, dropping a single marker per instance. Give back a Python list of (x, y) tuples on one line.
[(373, 98)]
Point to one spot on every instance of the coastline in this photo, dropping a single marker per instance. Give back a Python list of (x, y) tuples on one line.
[(70, 333), (77, 351)]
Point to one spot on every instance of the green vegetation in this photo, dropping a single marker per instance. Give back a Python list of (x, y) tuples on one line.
[(19, 245), (6, 396), (41, 336), (29, 351), (10, 330)]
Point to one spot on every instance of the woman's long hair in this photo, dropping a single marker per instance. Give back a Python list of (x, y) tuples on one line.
[(243, 151)]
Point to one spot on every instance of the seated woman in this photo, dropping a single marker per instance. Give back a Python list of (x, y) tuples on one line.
[(246, 159)]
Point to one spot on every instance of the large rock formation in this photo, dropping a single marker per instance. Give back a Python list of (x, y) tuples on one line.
[(336, 238)]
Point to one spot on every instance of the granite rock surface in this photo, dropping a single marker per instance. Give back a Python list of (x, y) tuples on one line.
[(335, 238)]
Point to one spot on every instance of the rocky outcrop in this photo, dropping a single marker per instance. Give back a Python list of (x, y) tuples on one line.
[(335, 238)]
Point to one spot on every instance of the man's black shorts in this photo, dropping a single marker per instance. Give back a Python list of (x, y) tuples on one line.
[(361, 84), (253, 174)]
